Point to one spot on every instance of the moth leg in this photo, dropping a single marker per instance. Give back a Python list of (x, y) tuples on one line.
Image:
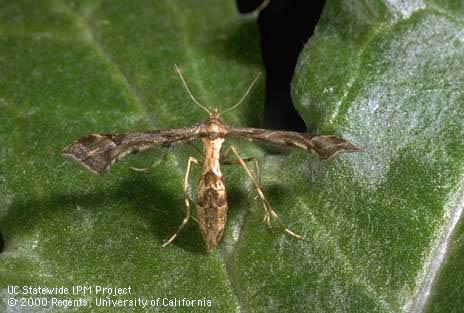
[(234, 162), (146, 169), (197, 149), (139, 169), (251, 159), (267, 206), (186, 200), (266, 219)]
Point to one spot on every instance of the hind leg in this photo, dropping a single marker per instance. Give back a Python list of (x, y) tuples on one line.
[(270, 213), (186, 200)]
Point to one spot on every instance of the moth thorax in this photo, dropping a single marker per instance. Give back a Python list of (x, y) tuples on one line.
[(212, 149)]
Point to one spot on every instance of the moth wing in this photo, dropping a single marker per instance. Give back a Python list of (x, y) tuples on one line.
[(325, 147), (98, 152)]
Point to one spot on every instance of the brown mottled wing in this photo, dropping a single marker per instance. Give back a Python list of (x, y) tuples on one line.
[(325, 147), (98, 152)]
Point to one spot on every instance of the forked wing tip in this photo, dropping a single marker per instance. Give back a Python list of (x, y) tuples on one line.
[(71, 156), (349, 149)]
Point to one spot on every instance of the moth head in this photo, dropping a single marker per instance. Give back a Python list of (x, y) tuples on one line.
[(214, 129), (215, 117), (215, 114)]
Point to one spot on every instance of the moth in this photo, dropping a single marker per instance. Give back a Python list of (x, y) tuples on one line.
[(98, 152)]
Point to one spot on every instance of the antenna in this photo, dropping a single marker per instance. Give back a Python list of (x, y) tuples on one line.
[(244, 96), (188, 90)]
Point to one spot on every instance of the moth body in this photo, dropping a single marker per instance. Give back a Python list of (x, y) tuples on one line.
[(212, 197)]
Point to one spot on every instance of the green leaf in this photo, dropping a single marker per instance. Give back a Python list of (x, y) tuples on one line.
[(388, 75), (385, 74)]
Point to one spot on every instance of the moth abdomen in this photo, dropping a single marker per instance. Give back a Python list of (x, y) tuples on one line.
[(212, 209)]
